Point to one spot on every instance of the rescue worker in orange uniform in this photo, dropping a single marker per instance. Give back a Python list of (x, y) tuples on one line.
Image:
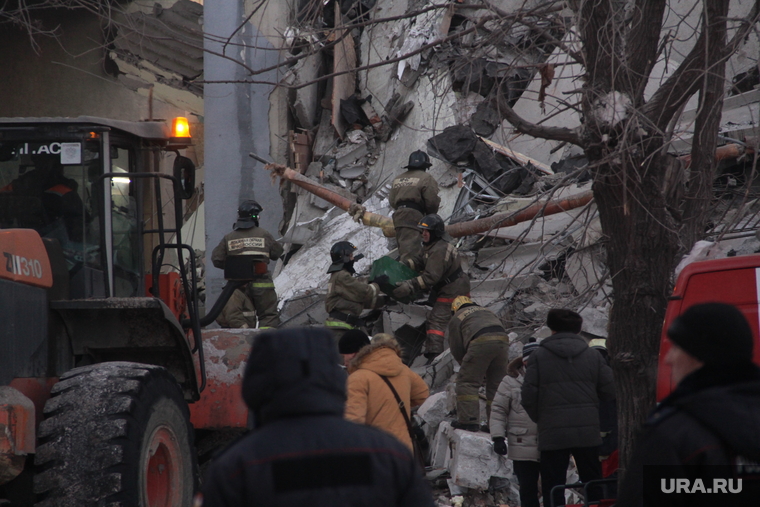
[(248, 238), (441, 274)]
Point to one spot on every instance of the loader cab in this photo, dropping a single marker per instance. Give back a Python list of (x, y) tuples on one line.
[(101, 229)]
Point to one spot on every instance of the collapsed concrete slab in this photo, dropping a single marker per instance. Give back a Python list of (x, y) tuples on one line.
[(595, 322), (439, 371), (433, 410), (473, 461)]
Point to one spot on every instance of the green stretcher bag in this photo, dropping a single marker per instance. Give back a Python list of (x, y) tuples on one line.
[(396, 272)]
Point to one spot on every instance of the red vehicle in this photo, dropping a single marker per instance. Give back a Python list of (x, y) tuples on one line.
[(100, 347), (733, 280)]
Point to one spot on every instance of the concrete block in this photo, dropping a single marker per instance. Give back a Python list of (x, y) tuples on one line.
[(473, 461), (542, 230), (456, 491), (319, 202), (349, 154), (439, 371), (433, 410), (353, 171), (439, 452), (586, 267), (595, 321), (537, 309)]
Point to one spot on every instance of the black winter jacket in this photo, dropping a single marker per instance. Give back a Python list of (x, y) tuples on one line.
[(303, 452), (709, 427), (564, 381)]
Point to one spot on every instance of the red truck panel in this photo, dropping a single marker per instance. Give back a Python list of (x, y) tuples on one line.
[(732, 280)]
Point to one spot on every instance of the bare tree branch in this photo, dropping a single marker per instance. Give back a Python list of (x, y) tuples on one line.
[(540, 131), (684, 82), (642, 46)]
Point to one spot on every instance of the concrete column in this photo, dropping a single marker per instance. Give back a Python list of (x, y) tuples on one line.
[(236, 123)]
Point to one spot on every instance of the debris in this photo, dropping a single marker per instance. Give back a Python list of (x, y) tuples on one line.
[(595, 321), (473, 461), (344, 61), (352, 111), (433, 411), (439, 371), (547, 74)]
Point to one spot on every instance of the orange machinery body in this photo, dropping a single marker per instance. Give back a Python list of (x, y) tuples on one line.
[(25, 259), (170, 292), (225, 352), (221, 404)]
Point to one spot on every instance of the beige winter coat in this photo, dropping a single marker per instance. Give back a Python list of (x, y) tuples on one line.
[(508, 417), (370, 400)]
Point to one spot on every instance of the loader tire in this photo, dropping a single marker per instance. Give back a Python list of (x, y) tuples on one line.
[(116, 434)]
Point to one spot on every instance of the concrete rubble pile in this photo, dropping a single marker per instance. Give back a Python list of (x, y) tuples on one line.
[(354, 135)]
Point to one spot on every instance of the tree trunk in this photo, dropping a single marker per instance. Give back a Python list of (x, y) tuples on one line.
[(631, 203)]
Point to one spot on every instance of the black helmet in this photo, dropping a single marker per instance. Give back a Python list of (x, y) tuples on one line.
[(341, 252), (418, 160), (248, 214), (432, 223), (249, 209)]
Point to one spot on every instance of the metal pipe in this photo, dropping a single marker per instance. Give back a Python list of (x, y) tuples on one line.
[(334, 198), (726, 152), (508, 218), (504, 219)]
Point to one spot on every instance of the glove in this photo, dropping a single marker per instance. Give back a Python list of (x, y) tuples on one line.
[(499, 446), (275, 168), (381, 280), (356, 211), (403, 289)]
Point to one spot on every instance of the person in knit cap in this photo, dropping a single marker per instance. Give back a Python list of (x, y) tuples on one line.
[(707, 429), (351, 343), (564, 382), (302, 452), (509, 419)]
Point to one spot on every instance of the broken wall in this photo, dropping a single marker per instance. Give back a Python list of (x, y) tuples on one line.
[(72, 73)]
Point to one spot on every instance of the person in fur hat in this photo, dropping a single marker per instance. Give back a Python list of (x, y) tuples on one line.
[(370, 400)]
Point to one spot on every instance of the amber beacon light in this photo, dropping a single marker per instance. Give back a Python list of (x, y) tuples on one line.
[(180, 128)]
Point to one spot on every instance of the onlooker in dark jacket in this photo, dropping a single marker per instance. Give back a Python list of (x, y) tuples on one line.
[(564, 382), (508, 418), (608, 425), (302, 451), (707, 428)]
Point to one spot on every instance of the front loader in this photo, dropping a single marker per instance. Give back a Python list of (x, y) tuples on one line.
[(100, 348)]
